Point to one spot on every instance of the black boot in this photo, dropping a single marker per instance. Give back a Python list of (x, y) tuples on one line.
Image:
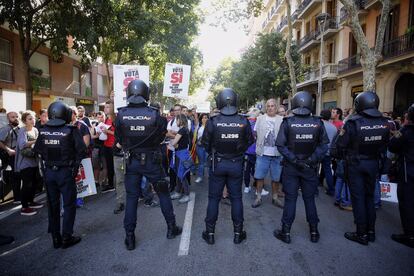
[(371, 235), (208, 235), (6, 240), (239, 233), (130, 240), (360, 236), (173, 230), (314, 233), (57, 240), (70, 240), (283, 234), (407, 240)]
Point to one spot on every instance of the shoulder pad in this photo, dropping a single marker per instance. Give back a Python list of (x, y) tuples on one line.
[(154, 108), (288, 117), (355, 117), (121, 108), (71, 126)]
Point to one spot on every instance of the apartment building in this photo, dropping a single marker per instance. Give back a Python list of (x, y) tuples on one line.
[(62, 80), (341, 69)]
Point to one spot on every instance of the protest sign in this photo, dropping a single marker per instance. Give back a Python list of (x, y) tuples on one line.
[(176, 80), (389, 191), (123, 75), (85, 181), (203, 107)]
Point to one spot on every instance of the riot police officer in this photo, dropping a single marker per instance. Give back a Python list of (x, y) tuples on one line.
[(402, 143), (363, 139), (139, 129), (302, 140), (61, 148), (226, 138)]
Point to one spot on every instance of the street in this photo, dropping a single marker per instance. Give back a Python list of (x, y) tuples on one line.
[(102, 250)]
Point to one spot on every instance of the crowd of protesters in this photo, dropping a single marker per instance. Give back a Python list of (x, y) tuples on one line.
[(185, 128)]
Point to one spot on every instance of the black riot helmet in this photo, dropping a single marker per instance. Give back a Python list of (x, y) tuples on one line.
[(226, 101), (411, 113), (367, 103), (302, 103), (59, 114), (137, 92)]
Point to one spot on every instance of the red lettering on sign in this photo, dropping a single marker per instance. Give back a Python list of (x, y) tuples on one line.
[(176, 78)]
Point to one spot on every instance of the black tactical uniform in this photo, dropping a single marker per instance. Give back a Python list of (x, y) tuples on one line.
[(226, 138), (61, 148), (363, 139), (139, 129), (302, 140), (403, 144)]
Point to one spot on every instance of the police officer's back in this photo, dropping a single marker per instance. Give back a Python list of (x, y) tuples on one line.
[(139, 129), (403, 144), (226, 137), (302, 140), (363, 140), (61, 148)]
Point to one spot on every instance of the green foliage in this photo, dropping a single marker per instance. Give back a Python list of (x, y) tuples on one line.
[(262, 72)]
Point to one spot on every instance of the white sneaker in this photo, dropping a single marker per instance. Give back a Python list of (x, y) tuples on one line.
[(198, 180), (175, 195), (184, 199), (247, 190), (264, 192)]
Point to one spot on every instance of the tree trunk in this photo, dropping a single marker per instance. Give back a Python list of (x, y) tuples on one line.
[(369, 57), (29, 85), (288, 54)]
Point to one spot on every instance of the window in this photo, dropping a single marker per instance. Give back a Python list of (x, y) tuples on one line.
[(88, 83), (6, 62), (411, 14), (331, 53), (76, 80), (102, 86), (40, 62)]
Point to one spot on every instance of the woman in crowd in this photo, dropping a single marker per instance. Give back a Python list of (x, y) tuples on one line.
[(182, 160), (98, 159), (27, 164), (108, 146), (201, 151)]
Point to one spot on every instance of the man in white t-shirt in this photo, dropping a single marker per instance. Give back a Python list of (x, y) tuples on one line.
[(268, 157)]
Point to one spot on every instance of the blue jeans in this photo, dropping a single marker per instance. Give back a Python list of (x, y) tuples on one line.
[(326, 166), (265, 163), (377, 194), (227, 173), (342, 194), (154, 172), (202, 159)]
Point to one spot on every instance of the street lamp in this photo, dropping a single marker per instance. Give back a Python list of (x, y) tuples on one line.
[(322, 18)]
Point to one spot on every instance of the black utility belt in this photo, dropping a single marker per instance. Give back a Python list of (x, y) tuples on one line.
[(229, 158), (56, 168)]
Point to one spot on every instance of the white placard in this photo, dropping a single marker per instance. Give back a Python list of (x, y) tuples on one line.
[(176, 80), (203, 107), (123, 74), (388, 191), (85, 181)]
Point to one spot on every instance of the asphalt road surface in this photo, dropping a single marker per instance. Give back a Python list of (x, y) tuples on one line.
[(102, 251)]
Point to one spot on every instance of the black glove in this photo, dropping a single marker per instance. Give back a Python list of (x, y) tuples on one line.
[(301, 164)]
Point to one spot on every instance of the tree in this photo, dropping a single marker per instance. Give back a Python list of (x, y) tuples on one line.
[(41, 22), (369, 57), (288, 54)]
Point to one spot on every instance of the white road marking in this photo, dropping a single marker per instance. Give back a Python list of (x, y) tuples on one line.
[(19, 247), (188, 221), (13, 210)]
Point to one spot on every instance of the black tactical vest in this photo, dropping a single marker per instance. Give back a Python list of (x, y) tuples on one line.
[(372, 135), (57, 145), (137, 124), (303, 135), (229, 135)]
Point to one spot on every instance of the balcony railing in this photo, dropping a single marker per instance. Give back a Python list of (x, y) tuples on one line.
[(349, 63), (312, 35), (331, 23), (398, 46), (41, 81), (328, 70), (343, 14), (295, 15), (304, 4), (282, 24)]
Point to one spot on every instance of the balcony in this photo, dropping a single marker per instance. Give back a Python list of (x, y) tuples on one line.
[(309, 41), (399, 46), (331, 27), (349, 63), (343, 14), (295, 20), (329, 72), (282, 25), (41, 82), (307, 6)]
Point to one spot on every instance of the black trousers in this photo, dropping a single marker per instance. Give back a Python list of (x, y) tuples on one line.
[(29, 177), (109, 159), (405, 193)]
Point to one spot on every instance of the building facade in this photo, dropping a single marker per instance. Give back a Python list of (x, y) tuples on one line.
[(63, 80), (341, 69)]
